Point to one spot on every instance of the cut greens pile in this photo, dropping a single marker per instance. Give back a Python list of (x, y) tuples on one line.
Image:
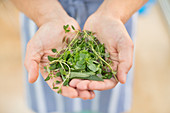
[(83, 58)]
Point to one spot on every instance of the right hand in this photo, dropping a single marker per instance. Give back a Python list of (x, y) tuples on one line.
[(49, 36)]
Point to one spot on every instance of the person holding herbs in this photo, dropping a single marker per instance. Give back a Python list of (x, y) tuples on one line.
[(112, 21)]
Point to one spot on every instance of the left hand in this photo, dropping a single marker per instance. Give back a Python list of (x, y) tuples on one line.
[(112, 32)]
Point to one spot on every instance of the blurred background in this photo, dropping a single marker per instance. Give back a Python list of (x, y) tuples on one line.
[(152, 66)]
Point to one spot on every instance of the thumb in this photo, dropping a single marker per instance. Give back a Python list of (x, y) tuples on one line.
[(125, 61), (32, 60), (33, 71)]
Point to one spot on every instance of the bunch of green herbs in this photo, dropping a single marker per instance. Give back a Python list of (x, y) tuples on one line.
[(83, 58)]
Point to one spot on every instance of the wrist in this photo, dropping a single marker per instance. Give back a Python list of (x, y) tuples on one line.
[(121, 9), (49, 12), (112, 10)]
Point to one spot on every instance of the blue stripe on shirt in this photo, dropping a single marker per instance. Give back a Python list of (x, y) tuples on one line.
[(104, 100), (49, 96)]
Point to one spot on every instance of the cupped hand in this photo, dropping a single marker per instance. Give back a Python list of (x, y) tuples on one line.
[(112, 32), (49, 36)]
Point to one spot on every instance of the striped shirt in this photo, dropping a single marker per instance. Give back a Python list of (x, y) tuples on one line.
[(42, 99)]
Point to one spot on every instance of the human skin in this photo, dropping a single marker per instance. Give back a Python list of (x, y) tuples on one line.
[(108, 23)]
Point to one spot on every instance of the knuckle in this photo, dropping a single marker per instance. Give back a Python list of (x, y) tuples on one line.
[(73, 95)]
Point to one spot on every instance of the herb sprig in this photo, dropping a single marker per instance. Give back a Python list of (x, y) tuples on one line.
[(83, 58)]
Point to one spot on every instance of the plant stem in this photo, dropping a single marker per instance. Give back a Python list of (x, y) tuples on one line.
[(70, 44), (105, 63), (94, 42)]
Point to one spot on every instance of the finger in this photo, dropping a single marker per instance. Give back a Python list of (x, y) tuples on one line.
[(102, 85), (96, 85), (110, 83), (69, 92), (73, 83), (84, 94), (83, 85), (32, 60), (33, 72), (65, 90), (92, 94), (125, 61)]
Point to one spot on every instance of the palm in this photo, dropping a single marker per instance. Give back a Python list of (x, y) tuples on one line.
[(50, 36), (113, 34)]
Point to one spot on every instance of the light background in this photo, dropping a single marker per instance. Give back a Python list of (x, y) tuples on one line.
[(152, 71)]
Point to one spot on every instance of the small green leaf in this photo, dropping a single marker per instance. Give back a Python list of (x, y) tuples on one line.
[(66, 28), (66, 82), (54, 50), (80, 74), (66, 31), (55, 87), (62, 71), (48, 78), (45, 68), (94, 77), (59, 91), (53, 67), (50, 58), (72, 27), (80, 66), (92, 67), (57, 82), (58, 74), (66, 55)]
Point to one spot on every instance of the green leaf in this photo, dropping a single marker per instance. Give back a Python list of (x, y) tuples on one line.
[(80, 66), (62, 71), (66, 28), (66, 82), (70, 60), (54, 50), (45, 68), (72, 27), (58, 74), (53, 67), (92, 66), (99, 71), (50, 58), (94, 77), (66, 55), (66, 31), (59, 91), (57, 82), (80, 74), (55, 87), (48, 78)]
